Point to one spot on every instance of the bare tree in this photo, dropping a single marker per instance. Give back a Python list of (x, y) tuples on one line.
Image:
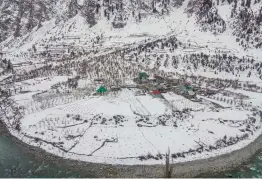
[(169, 169)]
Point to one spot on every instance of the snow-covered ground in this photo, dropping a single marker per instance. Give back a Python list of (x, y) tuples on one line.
[(123, 127), (179, 102)]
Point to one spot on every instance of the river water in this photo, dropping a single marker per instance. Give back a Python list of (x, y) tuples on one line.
[(15, 163)]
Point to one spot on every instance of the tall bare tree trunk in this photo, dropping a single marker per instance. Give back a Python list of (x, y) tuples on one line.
[(168, 170)]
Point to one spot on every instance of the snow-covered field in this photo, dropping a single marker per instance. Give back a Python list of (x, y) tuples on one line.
[(125, 128)]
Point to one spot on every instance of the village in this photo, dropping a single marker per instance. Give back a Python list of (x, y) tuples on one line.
[(153, 85), (103, 106)]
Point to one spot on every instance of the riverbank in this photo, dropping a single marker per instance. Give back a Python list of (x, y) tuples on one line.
[(188, 169)]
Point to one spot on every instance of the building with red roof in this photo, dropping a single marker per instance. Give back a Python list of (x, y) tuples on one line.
[(156, 94)]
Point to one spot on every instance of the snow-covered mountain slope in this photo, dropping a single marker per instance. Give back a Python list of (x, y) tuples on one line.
[(22, 19), (23, 16)]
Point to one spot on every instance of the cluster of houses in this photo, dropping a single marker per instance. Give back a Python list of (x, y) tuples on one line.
[(158, 84), (155, 85)]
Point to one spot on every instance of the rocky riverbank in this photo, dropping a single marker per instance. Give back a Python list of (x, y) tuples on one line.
[(187, 169)]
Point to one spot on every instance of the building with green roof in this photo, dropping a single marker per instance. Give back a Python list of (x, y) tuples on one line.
[(101, 90)]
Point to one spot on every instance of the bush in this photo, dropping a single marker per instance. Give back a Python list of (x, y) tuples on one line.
[(18, 127), (142, 157), (149, 155)]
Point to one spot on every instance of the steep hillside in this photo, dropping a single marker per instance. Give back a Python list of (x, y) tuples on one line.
[(33, 30), (21, 16)]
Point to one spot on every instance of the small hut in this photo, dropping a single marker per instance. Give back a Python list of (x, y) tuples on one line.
[(159, 79), (101, 90), (188, 87), (191, 94)]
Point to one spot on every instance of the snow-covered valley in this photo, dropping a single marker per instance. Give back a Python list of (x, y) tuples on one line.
[(134, 82)]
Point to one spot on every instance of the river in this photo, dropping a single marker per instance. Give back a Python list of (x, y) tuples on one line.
[(15, 163)]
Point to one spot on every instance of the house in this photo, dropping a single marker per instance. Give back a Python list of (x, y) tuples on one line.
[(188, 87), (180, 89), (173, 81), (185, 90), (115, 88), (163, 88), (143, 75), (98, 80), (159, 79), (142, 78), (156, 94), (211, 91), (196, 87), (118, 82)]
